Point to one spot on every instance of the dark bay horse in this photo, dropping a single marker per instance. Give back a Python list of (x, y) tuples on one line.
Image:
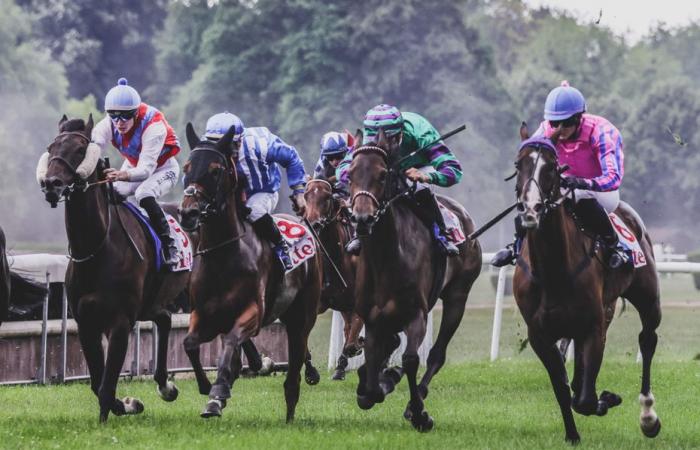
[(4, 278), (400, 275), (237, 284), (563, 289), (111, 280), (329, 217)]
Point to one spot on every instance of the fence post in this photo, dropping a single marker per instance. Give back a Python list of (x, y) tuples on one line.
[(44, 333), (154, 347), (498, 313), (136, 363), (64, 335)]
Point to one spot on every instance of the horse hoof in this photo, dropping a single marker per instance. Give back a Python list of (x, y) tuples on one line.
[(602, 408), (611, 399), (169, 392), (365, 402), (653, 430), (132, 405), (423, 422), (311, 376), (574, 439), (212, 409), (338, 375), (267, 365)]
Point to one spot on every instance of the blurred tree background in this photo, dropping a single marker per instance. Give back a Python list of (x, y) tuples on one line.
[(304, 67)]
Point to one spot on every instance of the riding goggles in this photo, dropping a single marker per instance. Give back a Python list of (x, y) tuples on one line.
[(566, 123), (121, 116)]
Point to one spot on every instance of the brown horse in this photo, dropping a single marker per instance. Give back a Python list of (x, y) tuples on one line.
[(563, 289), (4, 279), (329, 217), (111, 280), (400, 275), (237, 284)]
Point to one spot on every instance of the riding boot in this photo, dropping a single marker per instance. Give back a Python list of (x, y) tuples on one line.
[(267, 229), (510, 253), (428, 212), (162, 229), (594, 218)]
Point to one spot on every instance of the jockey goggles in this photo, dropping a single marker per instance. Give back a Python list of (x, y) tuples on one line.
[(121, 116), (566, 123)]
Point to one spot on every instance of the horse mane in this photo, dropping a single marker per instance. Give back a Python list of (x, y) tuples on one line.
[(73, 125)]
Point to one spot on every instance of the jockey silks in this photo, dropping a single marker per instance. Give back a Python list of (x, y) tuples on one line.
[(129, 144)]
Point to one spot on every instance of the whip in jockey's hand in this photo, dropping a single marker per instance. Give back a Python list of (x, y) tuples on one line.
[(113, 174)]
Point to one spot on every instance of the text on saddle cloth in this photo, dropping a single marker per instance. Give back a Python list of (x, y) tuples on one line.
[(182, 241), (453, 227), (300, 241), (629, 241)]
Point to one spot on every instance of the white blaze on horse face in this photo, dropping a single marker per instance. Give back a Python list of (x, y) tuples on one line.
[(532, 196)]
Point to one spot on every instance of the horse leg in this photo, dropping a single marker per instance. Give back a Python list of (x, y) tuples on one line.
[(553, 362), (191, 343), (311, 375), (221, 389), (650, 315), (415, 333), (593, 346), (91, 344), (577, 380), (452, 313), (369, 391), (166, 389), (116, 352), (252, 355)]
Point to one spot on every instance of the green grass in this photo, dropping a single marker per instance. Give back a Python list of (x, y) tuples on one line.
[(508, 404)]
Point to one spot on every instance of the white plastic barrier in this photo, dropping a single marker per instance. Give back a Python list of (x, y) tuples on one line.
[(338, 339), (36, 266)]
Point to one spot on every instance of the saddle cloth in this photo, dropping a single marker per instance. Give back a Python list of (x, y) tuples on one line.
[(182, 241), (300, 241), (453, 227), (629, 241)]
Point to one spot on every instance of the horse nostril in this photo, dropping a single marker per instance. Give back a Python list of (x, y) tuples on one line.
[(353, 218)]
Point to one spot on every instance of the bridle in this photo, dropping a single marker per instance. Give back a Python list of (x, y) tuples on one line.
[(336, 208), (387, 199), (216, 203), (552, 199)]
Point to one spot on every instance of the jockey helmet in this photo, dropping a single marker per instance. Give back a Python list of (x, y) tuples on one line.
[(219, 124), (563, 102), (333, 143), (122, 97), (385, 117)]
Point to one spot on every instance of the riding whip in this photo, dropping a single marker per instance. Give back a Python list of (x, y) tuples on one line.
[(491, 222), (325, 252), (110, 186), (447, 135)]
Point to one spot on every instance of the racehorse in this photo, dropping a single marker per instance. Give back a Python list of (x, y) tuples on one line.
[(329, 217), (238, 285), (111, 280), (4, 279), (400, 275), (563, 290)]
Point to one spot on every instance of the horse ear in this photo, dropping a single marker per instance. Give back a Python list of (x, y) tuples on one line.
[(88, 126), (63, 120), (524, 132), (224, 144), (358, 138), (192, 138)]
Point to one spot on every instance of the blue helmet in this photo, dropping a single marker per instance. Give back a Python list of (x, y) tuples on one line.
[(333, 143), (219, 124), (122, 97), (563, 102)]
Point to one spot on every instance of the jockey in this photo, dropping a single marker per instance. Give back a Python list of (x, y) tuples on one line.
[(259, 154), (434, 164), (334, 147), (148, 144), (592, 148)]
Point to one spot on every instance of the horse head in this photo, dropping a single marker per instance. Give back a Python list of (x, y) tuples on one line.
[(321, 203), (538, 177), (369, 178), (210, 176), (69, 160)]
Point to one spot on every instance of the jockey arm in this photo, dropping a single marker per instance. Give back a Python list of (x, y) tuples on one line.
[(448, 170), (607, 141), (286, 156), (320, 169)]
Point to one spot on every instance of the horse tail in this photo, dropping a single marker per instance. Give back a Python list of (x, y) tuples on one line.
[(24, 291)]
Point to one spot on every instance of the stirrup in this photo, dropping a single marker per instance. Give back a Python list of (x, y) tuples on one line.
[(283, 254), (504, 256), (617, 258), (169, 253)]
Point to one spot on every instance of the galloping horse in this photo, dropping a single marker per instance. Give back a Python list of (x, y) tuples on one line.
[(237, 284), (111, 280), (330, 219), (563, 289), (400, 275), (4, 279)]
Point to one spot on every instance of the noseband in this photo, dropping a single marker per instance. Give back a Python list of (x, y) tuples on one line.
[(325, 220), (549, 200)]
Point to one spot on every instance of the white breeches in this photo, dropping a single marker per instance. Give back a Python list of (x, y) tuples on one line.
[(160, 183), (260, 204), (608, 200)]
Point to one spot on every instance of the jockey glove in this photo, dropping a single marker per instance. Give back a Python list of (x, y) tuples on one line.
[(575, 183)]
